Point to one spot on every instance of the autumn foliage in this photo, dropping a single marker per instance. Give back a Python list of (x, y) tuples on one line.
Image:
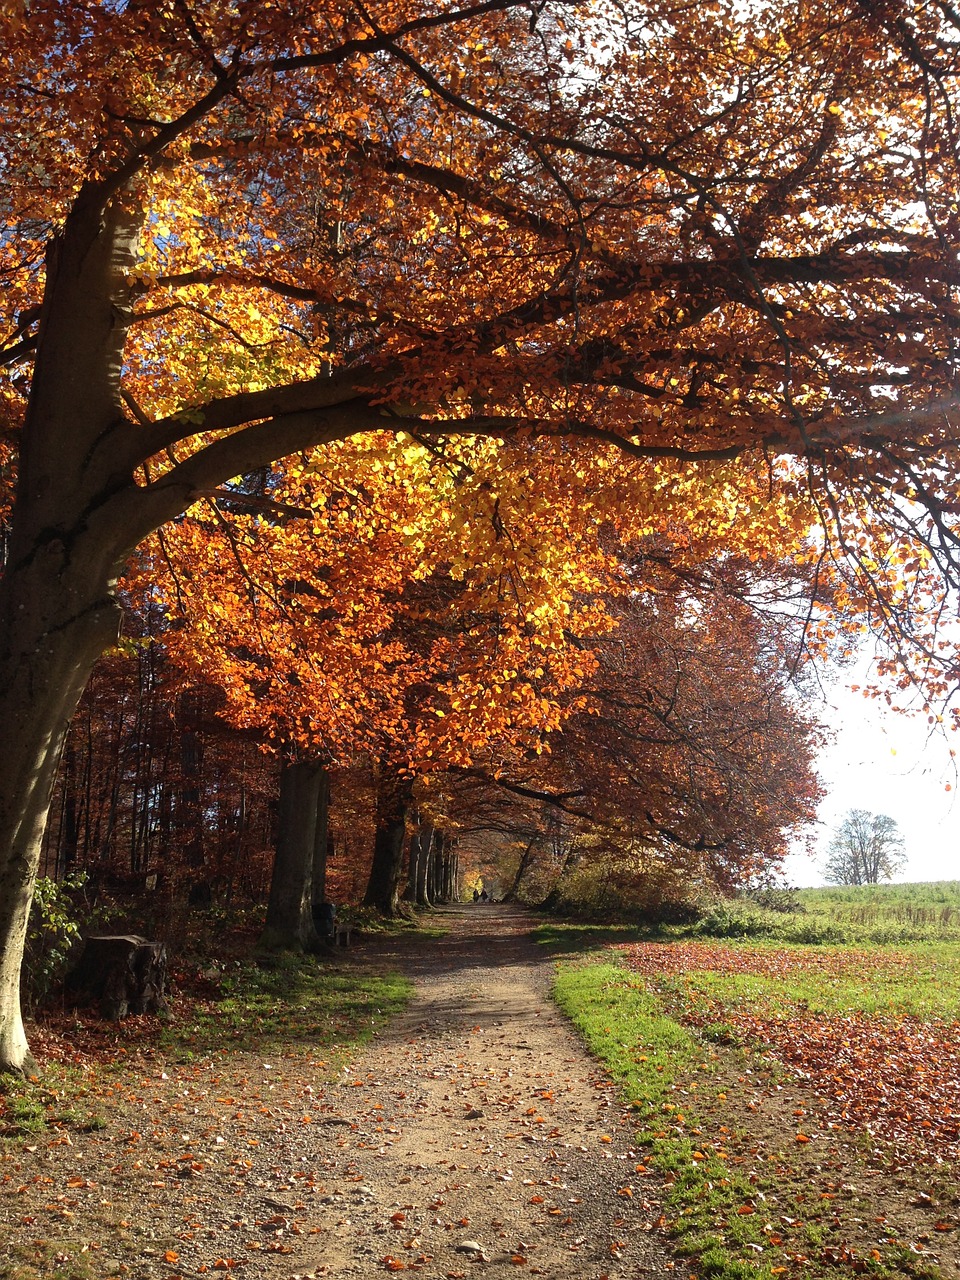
[(488, 291)]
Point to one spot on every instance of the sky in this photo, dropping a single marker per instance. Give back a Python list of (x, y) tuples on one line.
[(890, 764)]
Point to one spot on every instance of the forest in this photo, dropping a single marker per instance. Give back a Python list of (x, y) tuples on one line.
[(436, 438)]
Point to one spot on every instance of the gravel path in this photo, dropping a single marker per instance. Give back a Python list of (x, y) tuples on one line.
[(497, 1130), (475, 1136)]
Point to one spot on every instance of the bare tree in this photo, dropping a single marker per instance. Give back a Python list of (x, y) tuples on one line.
[(865, 849)]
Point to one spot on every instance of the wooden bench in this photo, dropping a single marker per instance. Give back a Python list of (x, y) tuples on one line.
[(341, 933)]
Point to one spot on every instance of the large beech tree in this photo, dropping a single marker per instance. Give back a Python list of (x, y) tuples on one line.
[(710, 251)]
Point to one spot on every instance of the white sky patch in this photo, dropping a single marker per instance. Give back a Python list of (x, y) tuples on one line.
[(887, 763)]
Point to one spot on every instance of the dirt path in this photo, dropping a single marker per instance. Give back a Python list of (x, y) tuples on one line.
[(484, 1122), (473, 1137)]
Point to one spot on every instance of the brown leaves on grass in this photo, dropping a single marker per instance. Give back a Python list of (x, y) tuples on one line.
[(895, 1076), (656, 958), (898, 1078)]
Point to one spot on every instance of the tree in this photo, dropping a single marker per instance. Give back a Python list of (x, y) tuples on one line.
[(696, 266), (351, 633), (684, 759), (865, 849)]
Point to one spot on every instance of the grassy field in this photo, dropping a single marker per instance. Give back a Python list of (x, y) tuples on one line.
[(874, 914), (933, 907), (800, 1099)]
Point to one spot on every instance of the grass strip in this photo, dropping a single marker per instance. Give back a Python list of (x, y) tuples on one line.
[(297, 1002), (725, 1197)]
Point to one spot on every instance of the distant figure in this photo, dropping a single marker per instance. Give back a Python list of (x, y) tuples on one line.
[(484, 897), (476, 895)]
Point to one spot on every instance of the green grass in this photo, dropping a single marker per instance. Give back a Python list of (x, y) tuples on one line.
[(571, 937), (919, 980), (61, 1261), (60, 1101), (648, 1053), (934, 894), (295, 1003), (729, 1183), (925, 909), (863, 915), (625, 1025)]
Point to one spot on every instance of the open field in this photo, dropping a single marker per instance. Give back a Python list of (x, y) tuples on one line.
[(803, 1101), (864, 914), (921, 907)]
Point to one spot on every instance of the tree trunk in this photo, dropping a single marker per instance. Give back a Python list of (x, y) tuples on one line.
[(553, 899), (84, 500), (68, 538), (447, 872), (393, 799), (454, 893), (189, 835), (525, 861), (289, 923), (420, 843), (414, 856), (321, 838), (435, 876), (121, 974), (68, 844), (49, 642), (428, 852)]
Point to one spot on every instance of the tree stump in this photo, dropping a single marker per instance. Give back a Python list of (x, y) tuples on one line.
[(325, 920), (122, 974)]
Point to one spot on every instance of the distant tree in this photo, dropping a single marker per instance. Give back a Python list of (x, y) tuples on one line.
[(865, 849)]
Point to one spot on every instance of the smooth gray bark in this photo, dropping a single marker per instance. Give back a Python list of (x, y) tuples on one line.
[(83, 503), (421, 853), (45, 661)]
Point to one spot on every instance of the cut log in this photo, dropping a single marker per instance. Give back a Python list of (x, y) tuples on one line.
[(121, 974)]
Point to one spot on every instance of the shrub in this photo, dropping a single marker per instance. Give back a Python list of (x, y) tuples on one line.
[(52, 933), (617, 889), (736, 920), (775, 898)]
